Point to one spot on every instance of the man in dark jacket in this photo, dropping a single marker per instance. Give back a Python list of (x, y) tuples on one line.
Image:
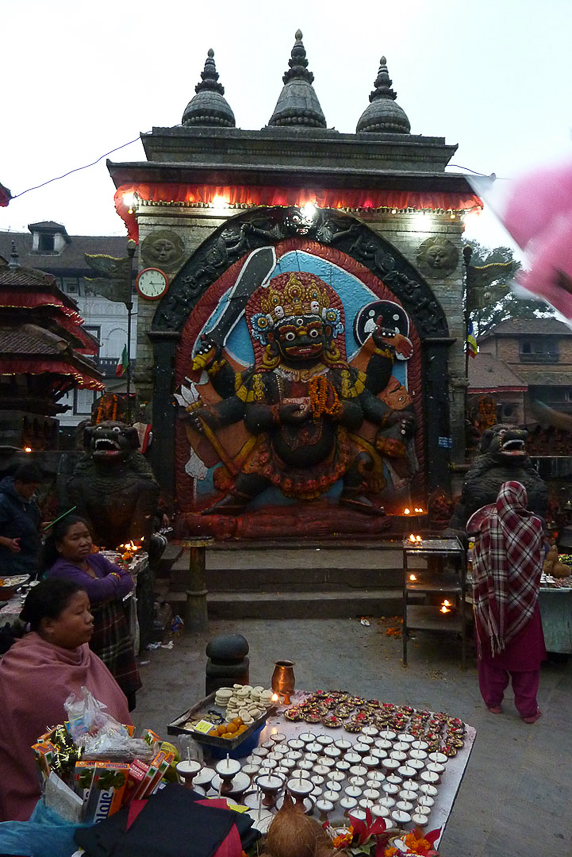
[(20, 521)]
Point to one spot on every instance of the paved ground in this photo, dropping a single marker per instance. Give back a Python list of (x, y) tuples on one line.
[(516, 795)]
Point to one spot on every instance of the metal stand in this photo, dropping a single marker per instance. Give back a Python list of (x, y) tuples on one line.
[(196, 611), (431, 584)]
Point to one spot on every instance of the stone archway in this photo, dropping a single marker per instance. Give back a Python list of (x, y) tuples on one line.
[(343, 242)]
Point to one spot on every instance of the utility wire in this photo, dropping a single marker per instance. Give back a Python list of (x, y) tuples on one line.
[(77, 169)]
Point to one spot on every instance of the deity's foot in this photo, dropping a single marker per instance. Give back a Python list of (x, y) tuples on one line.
[(360, 503), (229, 505)]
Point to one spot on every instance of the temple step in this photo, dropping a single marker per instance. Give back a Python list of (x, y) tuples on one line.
[(304, 605), (282, 581)]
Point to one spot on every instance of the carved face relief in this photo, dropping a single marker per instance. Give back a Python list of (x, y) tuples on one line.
[(301, 338), (437, 257), (163, 249)]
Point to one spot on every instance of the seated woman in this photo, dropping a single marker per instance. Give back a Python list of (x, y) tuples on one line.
[(67, 554), (36, 676)]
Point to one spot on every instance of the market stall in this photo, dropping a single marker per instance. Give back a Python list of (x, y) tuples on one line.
[(15, 589), (343, 759), (555, 601)]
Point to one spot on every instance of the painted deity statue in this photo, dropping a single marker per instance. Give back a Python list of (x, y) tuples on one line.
[(301, 402)]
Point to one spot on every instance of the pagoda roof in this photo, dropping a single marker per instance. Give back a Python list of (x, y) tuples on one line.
[(528, 327), (487, 374)]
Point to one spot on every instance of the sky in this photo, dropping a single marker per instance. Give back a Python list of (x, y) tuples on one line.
[(79, 80)]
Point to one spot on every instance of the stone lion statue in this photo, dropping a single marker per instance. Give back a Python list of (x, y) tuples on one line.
[(113, 485), (502, 458)]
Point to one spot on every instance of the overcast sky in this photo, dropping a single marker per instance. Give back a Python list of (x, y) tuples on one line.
[(493, 76)]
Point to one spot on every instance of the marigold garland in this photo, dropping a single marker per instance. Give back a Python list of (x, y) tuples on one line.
[(319, 389)]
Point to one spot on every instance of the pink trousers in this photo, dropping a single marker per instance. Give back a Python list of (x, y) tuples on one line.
[(493, 681)]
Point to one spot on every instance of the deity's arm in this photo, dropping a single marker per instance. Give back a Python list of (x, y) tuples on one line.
[(259, 417), (211, 358), (223, 413), (351, 415), (379, 369)]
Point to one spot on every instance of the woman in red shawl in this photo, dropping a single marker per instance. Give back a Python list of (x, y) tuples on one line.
[(36, 676), (507, 563)]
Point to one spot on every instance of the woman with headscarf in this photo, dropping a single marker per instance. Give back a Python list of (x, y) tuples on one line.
[(507, 563), (37, 675)]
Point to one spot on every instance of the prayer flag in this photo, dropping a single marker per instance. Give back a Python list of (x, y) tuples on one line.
[(472, 346)]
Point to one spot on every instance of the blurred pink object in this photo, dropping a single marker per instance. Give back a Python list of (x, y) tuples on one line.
[(538, 214)]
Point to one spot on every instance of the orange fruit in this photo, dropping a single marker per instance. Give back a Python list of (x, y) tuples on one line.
[(237, 720), (232, 727)]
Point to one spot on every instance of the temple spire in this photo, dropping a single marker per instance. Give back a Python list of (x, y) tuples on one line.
[(383, 114), (298, 103), (208, 106)]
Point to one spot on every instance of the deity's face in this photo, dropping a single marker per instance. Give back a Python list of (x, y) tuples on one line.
[(163, 250), (438, 257), (302, 338)]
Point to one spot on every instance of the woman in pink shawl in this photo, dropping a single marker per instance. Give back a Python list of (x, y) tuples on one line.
[(507, 563), (36, 676)]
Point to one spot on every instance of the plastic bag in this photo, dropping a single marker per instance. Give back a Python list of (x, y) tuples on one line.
[(44, 835), (98, 733)]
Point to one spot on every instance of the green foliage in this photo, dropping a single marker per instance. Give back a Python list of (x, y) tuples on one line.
[(509, 306)]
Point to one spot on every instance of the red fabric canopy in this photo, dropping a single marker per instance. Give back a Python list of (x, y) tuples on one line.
[(31, 300), (268, 196), (55, 367)]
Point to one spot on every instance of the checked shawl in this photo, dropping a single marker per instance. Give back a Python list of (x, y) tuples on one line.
[(507, 563)]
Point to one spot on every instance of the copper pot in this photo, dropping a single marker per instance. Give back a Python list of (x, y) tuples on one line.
[(283, 681)]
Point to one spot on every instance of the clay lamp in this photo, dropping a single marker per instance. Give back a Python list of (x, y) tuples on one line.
[(300, 788), (307, 737), (227, 769), (371, 794), (278, 737), (296, 744), (187, 770), (375, 777), (324, 807), (379, 811), (336, 776), (343, 744), (387, 735), (269, 785), (314, 747), (348, 804), (332, 752), (370, 731)]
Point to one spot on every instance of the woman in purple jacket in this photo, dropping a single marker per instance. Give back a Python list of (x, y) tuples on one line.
[(67, 553)]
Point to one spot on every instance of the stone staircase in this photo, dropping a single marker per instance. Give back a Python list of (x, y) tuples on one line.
[(283, 580)]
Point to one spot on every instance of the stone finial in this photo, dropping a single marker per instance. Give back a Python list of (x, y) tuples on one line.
[(209, 107), (383, 115), (298, 104), (14, 262)]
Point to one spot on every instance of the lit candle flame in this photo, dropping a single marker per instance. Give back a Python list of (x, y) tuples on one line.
[(275, 697), (412, 577), (446, 606), (406, 512)]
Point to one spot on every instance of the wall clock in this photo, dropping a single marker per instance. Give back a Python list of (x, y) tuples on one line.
[(152, 283)]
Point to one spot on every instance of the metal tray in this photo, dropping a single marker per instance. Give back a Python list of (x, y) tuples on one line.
[(176, 726)]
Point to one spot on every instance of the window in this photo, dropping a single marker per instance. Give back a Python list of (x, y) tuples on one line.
[(83, 401), (46, 243), (539, 350), (70, 285)]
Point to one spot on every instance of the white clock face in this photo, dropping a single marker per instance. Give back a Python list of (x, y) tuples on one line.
[(152, 283)]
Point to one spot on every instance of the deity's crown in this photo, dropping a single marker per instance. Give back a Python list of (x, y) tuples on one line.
[(294, 298)]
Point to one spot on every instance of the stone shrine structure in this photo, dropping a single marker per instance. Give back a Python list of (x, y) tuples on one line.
[(308, 354)]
